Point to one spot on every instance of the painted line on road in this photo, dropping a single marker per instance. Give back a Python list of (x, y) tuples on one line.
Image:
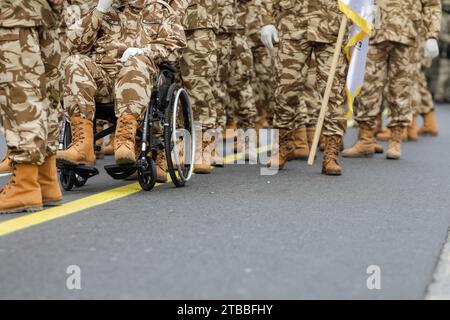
[(33, 219), (439, 289)]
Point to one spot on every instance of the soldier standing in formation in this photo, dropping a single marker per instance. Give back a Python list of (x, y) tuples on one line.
[(29, 102), (391, 67), (305, 28)]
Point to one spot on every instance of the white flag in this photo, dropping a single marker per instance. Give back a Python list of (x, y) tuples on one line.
[(360, 12)]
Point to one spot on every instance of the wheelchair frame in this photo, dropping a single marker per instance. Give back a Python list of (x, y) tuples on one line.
[(163, 106)]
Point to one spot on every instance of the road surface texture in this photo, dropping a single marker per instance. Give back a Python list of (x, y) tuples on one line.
[(236, 234)]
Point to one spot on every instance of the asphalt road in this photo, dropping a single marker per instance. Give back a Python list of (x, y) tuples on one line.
[(236, 234)]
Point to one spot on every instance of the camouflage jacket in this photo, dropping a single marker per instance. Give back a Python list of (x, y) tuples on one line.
[(105, 37), (407, 21), (201, 14), (28, 13), (318, 20)]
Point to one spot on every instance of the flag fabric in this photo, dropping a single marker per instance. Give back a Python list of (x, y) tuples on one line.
[(360, 12)]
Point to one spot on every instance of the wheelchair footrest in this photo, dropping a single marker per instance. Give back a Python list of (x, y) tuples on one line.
[(121, 171), (83, 171)]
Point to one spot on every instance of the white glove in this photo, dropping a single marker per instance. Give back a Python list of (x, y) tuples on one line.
[(104, 5), (131, 52), (269, 35), (431, 48)]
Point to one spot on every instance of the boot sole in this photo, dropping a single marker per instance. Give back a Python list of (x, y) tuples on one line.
[(28, 209), (52, 203), (122, 161), (365, 155), (72, 163), (392, 158), (335, 174)]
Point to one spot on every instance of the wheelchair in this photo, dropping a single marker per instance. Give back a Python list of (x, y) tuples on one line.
[(170, 106)]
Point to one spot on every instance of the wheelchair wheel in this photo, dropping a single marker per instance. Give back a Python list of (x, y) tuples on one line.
[(79, 181), (147, 174), (179, 136), (67, 179)]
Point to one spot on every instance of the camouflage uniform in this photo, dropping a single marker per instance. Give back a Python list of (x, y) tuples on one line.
[(29, 84), (198, 64), (233, 88), (305, 28), (96, 72), (263, 63), (242, 99), (442, 92), (392, 59)]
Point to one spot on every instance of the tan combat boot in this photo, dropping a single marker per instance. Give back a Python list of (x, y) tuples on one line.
[(203, 153), (22, 192), (429, 125), (109, 147), (384, 134), (364, 145), (125, 140), (161, 167), (5, 165), (299, 140), (394, 152), (330, 164), (81, 150), (412, 130), (48, 180), (280, 157)]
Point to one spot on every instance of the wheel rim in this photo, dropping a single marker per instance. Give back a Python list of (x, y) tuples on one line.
[(174, 138)]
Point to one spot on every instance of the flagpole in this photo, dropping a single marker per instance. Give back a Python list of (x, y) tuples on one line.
[(326, 96)]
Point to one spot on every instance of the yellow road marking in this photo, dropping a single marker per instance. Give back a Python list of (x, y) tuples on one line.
[(30, 220)]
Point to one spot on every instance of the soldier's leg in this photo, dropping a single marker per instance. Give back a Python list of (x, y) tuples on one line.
[(132, 96), (23, 105), (426, 109), (242, 103), (401, 72), (51, 54), (241, 93), (263, 83), (288, 112), (84, 83), (224, 53), (198, 67), (335, 120), (367, 105)]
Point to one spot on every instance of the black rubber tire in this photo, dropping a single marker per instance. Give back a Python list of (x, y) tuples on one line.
[(186, 109), (79, 181), (67, 179), (147, 178)]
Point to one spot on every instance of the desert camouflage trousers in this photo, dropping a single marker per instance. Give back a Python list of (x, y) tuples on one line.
[(235, 98), (293, 59), (198, 68), (422, 100), (443, 80), (391, 68), (263, 80), (87, 82), (30, 92)]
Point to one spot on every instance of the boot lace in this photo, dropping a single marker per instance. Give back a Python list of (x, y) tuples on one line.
[(331, 149), (77, 135), (124, 132)]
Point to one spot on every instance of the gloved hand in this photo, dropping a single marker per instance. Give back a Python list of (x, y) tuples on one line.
[(431, 48), (269, 35), (131, 52), (104, 5)]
